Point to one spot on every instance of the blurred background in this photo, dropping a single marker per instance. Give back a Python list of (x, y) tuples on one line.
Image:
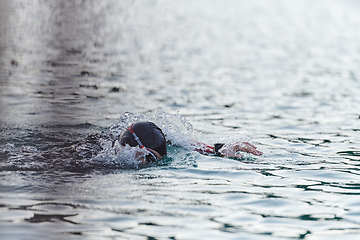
[(84, 61)]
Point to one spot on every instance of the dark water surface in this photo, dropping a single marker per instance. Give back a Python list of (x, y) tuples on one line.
[(284, 74)]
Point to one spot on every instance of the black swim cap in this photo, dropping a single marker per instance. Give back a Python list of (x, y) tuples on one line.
[(150, 135)]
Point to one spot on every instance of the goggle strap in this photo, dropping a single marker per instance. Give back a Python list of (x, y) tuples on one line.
[(136, 137)]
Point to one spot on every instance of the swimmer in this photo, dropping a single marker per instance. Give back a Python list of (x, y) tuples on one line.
[(152, 142)]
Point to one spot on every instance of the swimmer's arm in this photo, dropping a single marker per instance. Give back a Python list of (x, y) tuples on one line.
[(229, 149)]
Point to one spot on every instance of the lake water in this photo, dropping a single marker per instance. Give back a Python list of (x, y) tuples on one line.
[(282, 74)]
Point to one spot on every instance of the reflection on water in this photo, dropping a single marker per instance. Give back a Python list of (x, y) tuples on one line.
[(284, 74), (52, 60)]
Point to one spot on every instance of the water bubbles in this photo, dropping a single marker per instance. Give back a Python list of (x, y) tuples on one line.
[(118, 157), (29, 149), (8, 147), (177, 129)]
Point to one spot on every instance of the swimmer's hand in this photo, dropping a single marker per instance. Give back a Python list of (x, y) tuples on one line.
[(232, 150)]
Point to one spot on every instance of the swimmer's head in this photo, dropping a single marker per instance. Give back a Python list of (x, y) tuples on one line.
[(149, 134)]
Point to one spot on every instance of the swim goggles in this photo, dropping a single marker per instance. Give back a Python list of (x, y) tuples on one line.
[(150, 157)]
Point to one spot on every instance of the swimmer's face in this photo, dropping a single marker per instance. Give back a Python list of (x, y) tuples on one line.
[(158, 156), (152, 156), (149, 156)]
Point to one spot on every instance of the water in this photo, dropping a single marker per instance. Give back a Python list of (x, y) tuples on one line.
[(282, 74)]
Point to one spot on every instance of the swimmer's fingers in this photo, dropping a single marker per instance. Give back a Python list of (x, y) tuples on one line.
[(230, 152), (249, 144), (249, 148)]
